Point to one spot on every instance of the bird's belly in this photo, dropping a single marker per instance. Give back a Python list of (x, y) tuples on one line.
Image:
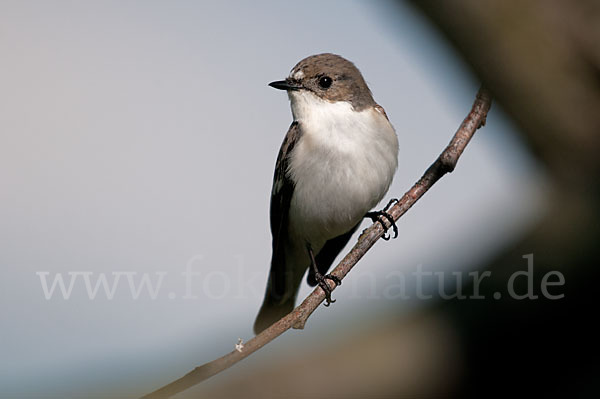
[(331, 198), (341, 167)]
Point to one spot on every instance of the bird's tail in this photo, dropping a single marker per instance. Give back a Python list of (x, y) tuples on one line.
[(271, 311), (287, 270)]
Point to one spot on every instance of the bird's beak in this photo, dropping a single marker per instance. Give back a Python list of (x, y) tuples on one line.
[(287, 84)]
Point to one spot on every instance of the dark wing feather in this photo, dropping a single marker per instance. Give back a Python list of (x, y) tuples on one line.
[(281, 197), (328, 253)]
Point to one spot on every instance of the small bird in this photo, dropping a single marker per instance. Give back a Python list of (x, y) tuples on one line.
[(336, 163)]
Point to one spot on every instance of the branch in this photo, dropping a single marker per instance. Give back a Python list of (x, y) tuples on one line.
[(445, 163)]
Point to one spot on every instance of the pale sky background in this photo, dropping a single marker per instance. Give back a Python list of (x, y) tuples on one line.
[(141, 136)]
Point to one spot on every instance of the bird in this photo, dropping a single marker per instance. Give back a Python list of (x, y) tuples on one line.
[(336, 163)]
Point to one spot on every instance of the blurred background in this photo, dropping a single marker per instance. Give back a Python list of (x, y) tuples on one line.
[(137, 147)]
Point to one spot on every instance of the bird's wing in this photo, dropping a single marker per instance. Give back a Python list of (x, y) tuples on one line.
[(281, 197)]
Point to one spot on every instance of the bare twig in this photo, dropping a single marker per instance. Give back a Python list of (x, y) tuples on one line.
[(445, 163)]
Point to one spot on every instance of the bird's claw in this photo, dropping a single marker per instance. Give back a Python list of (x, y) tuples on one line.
[(325, 287), (376, 216)]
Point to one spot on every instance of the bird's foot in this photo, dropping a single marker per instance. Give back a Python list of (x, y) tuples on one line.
[(325, 287), (378, 216)]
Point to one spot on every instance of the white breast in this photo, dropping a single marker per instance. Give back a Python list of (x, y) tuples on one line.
[(342, 166)]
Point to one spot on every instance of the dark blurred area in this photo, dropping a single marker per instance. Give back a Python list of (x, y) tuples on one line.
[(541, 61)]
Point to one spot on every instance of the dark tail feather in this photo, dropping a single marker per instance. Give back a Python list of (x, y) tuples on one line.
[(270, 312)]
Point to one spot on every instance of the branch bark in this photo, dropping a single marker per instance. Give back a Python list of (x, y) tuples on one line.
[(445, 163)]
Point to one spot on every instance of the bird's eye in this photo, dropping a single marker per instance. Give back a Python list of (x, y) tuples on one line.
[(325, 82)]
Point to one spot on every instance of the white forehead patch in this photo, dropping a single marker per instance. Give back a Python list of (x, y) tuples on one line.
[(299, 74)]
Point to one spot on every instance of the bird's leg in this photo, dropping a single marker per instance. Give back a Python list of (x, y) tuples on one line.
[(376, 216), (321, 278)]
